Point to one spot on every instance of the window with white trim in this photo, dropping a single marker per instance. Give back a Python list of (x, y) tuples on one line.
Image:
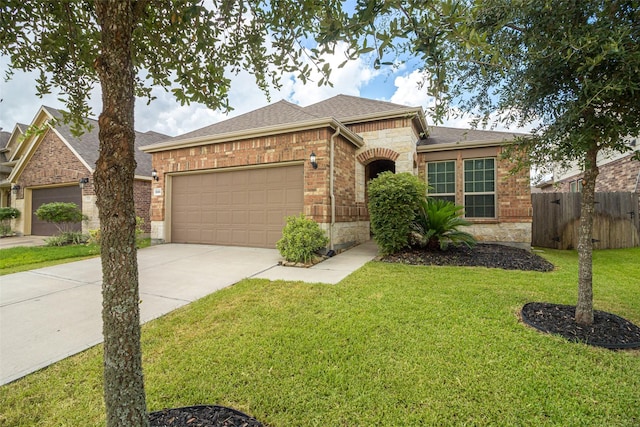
[(441, 177), (480, 188)]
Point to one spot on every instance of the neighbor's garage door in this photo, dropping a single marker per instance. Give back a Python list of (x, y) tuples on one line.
[(71, 194), (240, 208)]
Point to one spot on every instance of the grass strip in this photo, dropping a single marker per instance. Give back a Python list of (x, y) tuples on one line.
[(391, 345)]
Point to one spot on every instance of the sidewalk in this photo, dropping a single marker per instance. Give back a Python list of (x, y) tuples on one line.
[(331, 270)]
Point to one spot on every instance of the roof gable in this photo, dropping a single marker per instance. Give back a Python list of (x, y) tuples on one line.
[(345, 107), (85, 147)]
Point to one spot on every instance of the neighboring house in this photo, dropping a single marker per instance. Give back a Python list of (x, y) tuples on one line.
[(52, 165), (618, 172), (233, 183)]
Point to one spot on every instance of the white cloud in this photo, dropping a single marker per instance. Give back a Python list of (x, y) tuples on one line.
[(410, 92), (347, 80)]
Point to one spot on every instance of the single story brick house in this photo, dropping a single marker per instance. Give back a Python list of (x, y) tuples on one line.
[(234, 182), (56, 166)]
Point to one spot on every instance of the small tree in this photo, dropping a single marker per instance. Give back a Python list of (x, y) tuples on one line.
[(61, 214), (6, 215), (393, 201)]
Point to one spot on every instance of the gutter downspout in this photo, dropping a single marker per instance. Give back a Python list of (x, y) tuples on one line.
[(331, 193)]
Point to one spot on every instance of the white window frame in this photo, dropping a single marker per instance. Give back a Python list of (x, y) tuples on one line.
[(434, 194), (494, 193)]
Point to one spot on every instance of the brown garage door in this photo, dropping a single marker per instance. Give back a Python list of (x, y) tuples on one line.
[(71, 194), (240, 208)]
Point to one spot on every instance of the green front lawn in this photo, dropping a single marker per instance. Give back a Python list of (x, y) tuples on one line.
[(392, 345), (14, 260)]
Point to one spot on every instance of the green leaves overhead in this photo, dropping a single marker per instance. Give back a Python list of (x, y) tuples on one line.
[(188, 47)]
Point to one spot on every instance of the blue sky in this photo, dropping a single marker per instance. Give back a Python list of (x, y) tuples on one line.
[(165, 115)]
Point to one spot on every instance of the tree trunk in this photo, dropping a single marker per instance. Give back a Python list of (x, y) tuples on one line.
[(584, 307), (123, 380)]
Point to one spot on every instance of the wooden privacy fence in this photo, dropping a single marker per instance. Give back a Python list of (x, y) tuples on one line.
[(556, 220)]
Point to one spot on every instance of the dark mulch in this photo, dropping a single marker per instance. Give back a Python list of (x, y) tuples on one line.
[(607, 330), (481, 255), (202, 416)]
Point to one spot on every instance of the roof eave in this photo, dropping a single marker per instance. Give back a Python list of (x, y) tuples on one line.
[(255, 133), (413, 112), (461, 145)]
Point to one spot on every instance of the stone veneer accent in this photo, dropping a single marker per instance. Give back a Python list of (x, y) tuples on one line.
[(392, 139), (53, 164)]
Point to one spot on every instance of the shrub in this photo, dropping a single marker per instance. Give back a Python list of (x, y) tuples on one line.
[(61, 214), (436, 225), (393, 201), (301, 238), (6, 215), (67, 238), (94, 236)]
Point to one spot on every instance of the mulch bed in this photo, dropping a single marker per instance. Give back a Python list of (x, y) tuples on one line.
[(608, 330), (481, 255), (202, 416)]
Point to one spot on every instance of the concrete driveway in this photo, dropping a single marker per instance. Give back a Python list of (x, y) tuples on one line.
[(54, 312)]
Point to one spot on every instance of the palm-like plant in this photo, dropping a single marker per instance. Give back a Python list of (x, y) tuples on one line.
[(436, 225)]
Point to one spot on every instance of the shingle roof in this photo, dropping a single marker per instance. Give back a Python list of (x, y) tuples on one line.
[(279, 113), (87, 145), (4, 138), (447, 135), (343, 107)]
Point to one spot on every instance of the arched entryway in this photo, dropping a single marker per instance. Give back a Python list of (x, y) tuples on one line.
[(375, 168)]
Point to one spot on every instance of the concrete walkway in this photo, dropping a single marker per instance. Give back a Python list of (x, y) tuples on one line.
[(15, 241), (51, 313)]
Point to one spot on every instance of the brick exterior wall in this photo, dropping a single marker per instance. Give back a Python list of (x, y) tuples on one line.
[(272, 150), (514, 212), (142, 199), (386, 139), (53, 163), (620, 175)]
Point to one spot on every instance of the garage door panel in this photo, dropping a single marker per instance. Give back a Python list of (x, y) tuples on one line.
[(41, 196), (249, 209)]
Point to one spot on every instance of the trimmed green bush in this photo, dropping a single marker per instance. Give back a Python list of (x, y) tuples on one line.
[(301, 238), (393, 201), (6, 215), (61, 214), (436, 225)]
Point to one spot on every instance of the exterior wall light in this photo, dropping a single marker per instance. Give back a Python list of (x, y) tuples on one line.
[(312, 159), (83, 182), (15, 189), (154, 175)]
